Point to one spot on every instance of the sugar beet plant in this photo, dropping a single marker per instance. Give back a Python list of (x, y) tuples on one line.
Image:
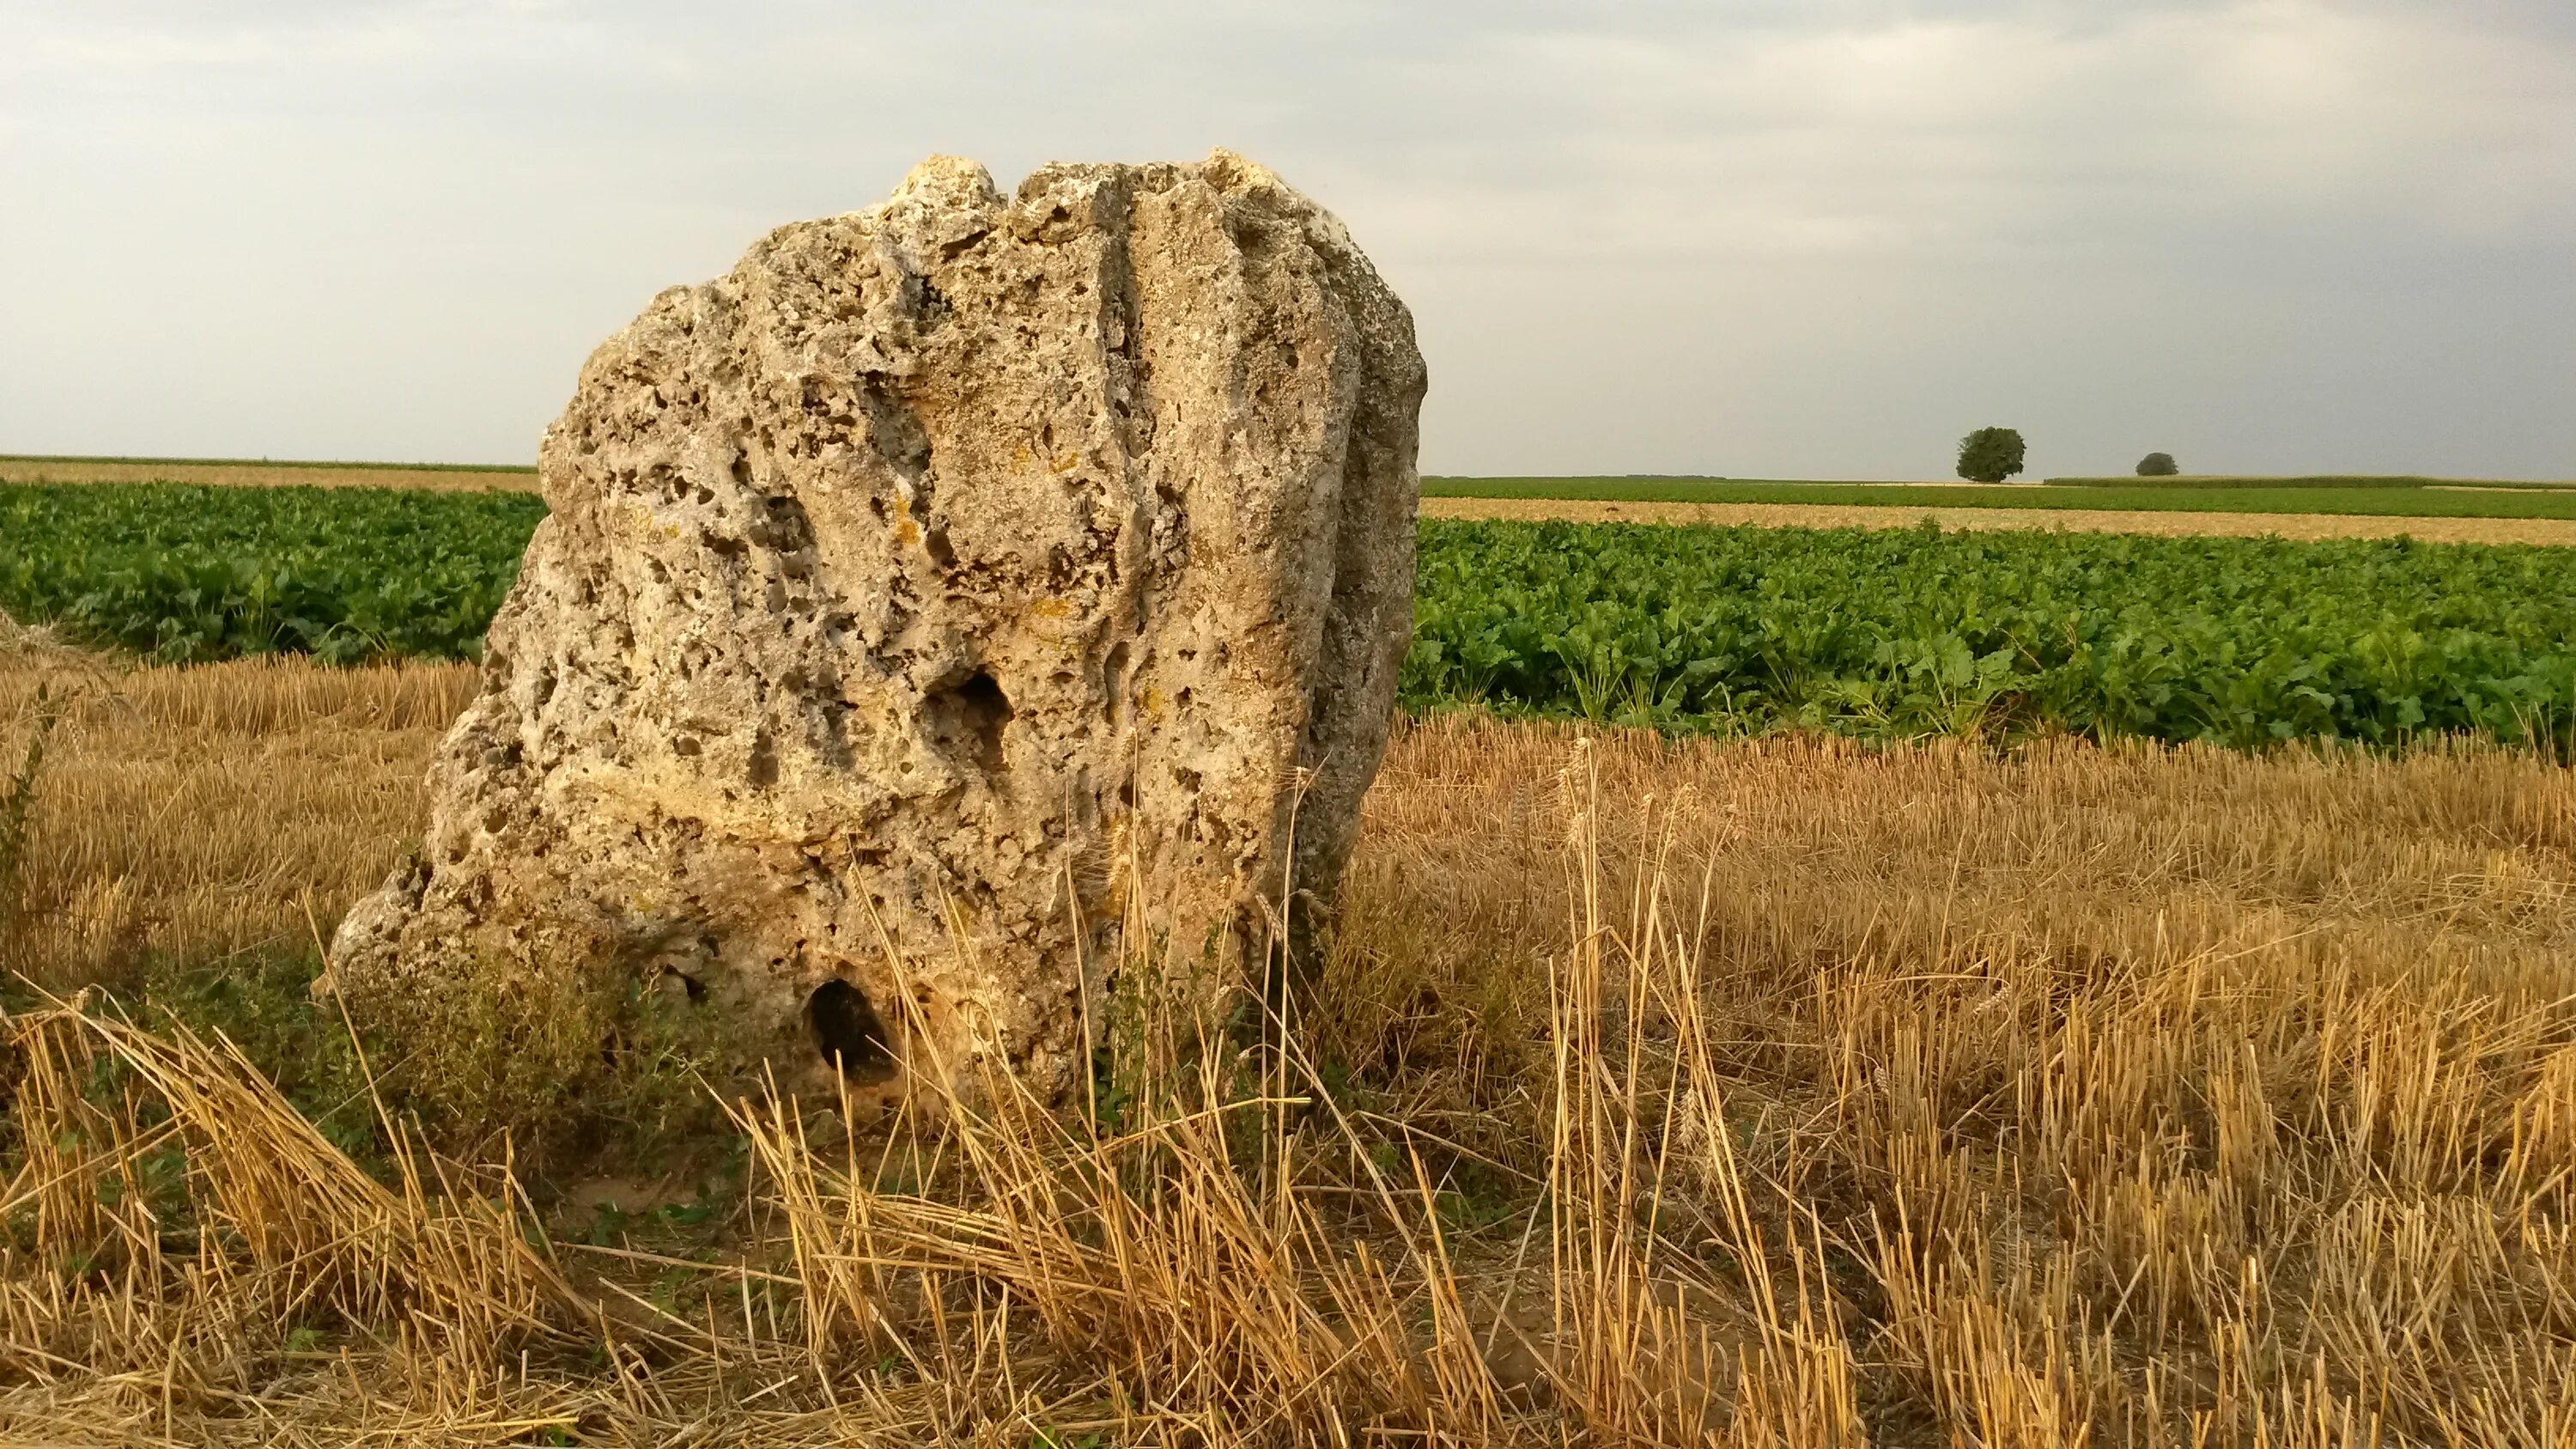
[(182, 572), (2239, 641)]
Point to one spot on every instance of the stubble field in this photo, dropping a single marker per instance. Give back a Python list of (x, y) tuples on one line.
[(1792, 1091)]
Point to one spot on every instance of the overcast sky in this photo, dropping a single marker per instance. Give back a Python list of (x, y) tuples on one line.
[(1793, 238)]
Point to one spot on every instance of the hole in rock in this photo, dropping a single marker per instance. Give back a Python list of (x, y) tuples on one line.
[(848, 1033), (967, 719)]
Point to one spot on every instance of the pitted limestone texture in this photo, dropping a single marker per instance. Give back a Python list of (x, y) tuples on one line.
[(942, 583)]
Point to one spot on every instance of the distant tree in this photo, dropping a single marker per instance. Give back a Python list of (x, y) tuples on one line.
[(1990, 455), (2157, 465)]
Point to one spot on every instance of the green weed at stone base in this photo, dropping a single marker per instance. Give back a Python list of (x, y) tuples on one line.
[(618, 1076), (573, 1068)]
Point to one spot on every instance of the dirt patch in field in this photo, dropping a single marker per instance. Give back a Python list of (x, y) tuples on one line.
[(2560, 531), (260, 475)]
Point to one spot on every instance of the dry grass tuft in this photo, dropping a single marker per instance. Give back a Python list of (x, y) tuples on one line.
[(1786, 1092), (158, 1166)]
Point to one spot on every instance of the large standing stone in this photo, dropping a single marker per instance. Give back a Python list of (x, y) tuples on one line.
[(913, 593)]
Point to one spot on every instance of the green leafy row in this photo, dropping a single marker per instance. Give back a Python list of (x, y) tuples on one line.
[(2241, 641), (183, 572)]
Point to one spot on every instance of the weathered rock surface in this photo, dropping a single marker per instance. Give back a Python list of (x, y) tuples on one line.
[(911, 594)]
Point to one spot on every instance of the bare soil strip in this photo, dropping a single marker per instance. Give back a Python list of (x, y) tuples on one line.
[(2558, 531), (2555, 531), (255, 475)]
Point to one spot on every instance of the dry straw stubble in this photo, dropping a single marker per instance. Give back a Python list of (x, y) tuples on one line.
[(1789, 1091)]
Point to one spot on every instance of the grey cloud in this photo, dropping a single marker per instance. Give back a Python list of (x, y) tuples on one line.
[(1814, 238)]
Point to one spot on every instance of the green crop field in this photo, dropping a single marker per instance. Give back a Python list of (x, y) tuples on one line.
[(193, 572), (2407, 501), (1879, 633), (1909, 632)]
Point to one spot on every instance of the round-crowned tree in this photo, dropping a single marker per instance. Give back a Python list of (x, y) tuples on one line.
[(1990, 455), (2157, 465)]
